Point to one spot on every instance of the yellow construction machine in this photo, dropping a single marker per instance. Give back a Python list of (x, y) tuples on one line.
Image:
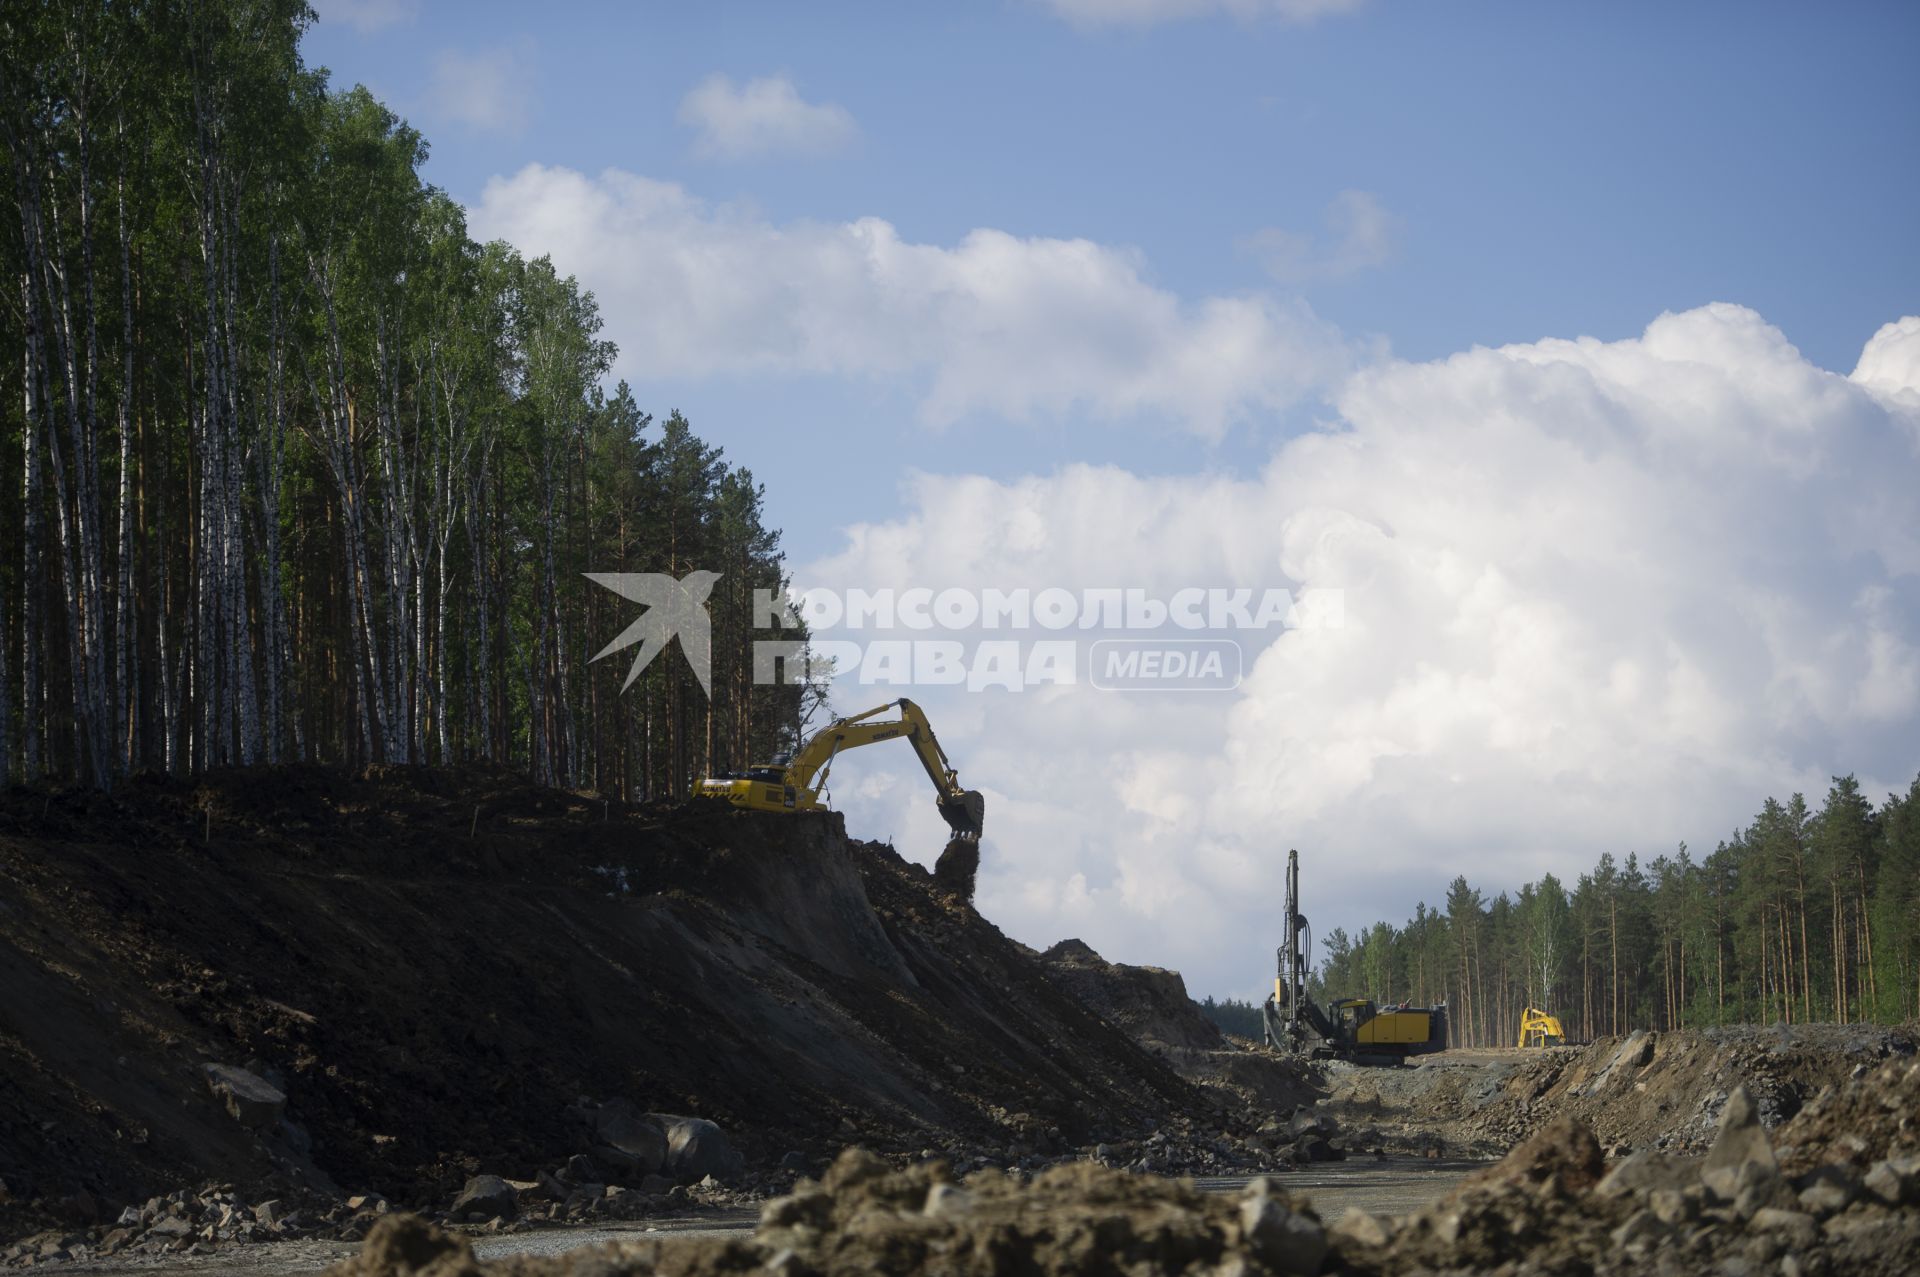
[(1349, 1028), (796, 783), (1537, 1028)]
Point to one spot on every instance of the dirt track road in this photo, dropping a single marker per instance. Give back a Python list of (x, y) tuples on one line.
[(1392, 1187), (1396, 1186)]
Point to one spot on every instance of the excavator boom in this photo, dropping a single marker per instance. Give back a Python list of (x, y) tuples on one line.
[(1537, 1028), (797, 784)]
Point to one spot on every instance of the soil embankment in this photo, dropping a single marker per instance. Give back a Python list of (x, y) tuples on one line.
[(1152, 1005), (433, 969), (1646, 1090)]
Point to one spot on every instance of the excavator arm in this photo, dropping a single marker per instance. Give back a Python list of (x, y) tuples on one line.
[(806, 774), (962, 808)]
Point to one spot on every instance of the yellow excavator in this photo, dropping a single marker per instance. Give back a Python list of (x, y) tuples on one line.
[(796, 783), (1537, 1028)]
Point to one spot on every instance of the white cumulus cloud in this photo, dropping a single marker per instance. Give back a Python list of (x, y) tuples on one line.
[(1024, 327), (1599, 596), (766, 116), (1360, 234), (1890, 365), (490, 89), (1147, 13)]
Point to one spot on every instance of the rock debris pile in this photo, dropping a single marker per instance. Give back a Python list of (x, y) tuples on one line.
[(1646, 1090), (1553, 1206)]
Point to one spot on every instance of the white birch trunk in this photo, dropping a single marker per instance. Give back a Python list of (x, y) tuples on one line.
[(30, 557), (126, 701)]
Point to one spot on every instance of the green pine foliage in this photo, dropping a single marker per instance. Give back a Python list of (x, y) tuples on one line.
[(297, 470), (1803, 915), (1242, 1019)]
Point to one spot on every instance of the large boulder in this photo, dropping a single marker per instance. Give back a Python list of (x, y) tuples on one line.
[(697, 1148), (486, 1195), (1311, 1136), (1741, 1156), (249, 1098), (1284, 1239), (625, 1141), (632, 1144)]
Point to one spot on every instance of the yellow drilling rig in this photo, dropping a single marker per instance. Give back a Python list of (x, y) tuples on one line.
[(1349, 1028)]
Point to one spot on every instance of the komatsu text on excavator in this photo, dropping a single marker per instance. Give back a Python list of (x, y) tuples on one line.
[(796, 784)]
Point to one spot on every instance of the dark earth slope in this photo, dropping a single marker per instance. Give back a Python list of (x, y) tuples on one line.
[(438, 964), (1150, 1003)]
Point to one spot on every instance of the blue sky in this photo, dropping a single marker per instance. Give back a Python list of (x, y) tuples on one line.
[(1548, 170), (1158, 293)]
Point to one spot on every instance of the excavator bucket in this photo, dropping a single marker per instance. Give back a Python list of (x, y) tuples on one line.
[(965, 812)]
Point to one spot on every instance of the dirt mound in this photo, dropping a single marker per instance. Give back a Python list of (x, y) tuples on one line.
[(1872, 1117), (1547, 1209), (442, 970), (864, 1217), (1666, 1090), (1151, 1005), (1660, 1091), (408, 1244), (1148, 1002)]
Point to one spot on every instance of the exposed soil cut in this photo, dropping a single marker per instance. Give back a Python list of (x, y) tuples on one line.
[(434, 969), (1152, 1005)]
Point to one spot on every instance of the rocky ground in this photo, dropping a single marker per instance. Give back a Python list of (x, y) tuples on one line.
[(1552, 1206), (1661, 1091)]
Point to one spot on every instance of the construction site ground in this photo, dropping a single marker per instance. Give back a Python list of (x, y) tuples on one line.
[(1657, 1091), (445, 1022), (1391, 1186)]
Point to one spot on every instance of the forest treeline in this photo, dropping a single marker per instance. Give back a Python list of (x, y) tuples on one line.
[(1803, 915), (1231, 1015), (301, 471)]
